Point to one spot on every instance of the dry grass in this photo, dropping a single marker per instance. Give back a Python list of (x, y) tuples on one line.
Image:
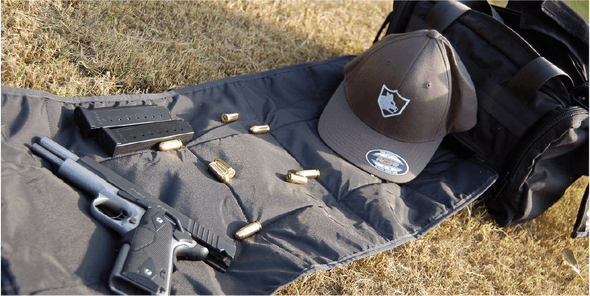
[(89, 48), (81, 48), (469, 254)]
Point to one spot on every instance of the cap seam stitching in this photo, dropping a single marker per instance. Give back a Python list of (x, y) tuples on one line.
[(450, 92), (375, 50), (401, 83)]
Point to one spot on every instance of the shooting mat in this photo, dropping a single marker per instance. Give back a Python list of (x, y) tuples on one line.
[(51, 244)]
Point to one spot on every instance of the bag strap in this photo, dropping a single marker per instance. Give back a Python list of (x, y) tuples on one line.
[(509, 110), (385, 23), (559, 11), (444, 13), (523, 85), (534, 75), (485, 7), (581, 228), (512, 112)]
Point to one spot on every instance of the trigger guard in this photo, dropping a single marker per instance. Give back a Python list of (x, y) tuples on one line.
[(131, 215), (186, 248)]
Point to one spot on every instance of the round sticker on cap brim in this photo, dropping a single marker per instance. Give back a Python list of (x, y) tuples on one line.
[(387, 162)]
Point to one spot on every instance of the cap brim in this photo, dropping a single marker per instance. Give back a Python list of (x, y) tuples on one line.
[(352, 139)]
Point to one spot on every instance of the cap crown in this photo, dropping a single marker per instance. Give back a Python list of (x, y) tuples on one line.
[(412, 88)]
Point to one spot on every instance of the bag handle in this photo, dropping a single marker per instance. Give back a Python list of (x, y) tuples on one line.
[(583, 220), (385, 23), (523, 85), (444, 13), (535, 74), (521, 117)]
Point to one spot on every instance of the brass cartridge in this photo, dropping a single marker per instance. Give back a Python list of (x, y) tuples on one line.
[(229, 117), (248, 230), (223, 172), (170, 145), (296, 179), (225, 167), (260, 129), (310, 174)]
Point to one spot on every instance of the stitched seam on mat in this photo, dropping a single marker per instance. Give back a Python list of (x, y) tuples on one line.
[(46, 103), (232, 190), (409, 235), (197, 157), (381, 248), (330, 192), (99, 282)]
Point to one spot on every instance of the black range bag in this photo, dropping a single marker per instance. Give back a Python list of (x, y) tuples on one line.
[(52, 245), (529, 64)]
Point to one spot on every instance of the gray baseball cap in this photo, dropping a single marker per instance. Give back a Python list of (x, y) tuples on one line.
[(396, 103)]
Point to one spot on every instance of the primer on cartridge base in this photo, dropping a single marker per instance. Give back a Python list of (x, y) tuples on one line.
[(229, 117), (296, 179)]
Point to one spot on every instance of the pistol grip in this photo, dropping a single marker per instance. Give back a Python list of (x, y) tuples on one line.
[(144, 264)]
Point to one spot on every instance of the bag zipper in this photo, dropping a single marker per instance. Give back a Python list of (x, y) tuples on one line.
[(568, 113)]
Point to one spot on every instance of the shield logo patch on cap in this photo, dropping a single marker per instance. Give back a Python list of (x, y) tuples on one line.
[(405, 94), (391, 102)]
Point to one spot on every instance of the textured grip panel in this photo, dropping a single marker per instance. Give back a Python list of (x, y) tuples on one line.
[(149, 262)]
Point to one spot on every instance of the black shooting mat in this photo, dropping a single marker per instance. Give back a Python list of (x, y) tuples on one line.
[(52, 245)]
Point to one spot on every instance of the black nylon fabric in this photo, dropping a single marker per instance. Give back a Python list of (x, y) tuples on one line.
[(51, 244), (531, 129)]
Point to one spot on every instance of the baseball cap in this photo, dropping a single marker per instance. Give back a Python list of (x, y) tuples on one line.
[(397, 102)]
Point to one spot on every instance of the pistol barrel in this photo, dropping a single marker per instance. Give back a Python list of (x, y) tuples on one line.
[(47, 155), (57, 149)]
